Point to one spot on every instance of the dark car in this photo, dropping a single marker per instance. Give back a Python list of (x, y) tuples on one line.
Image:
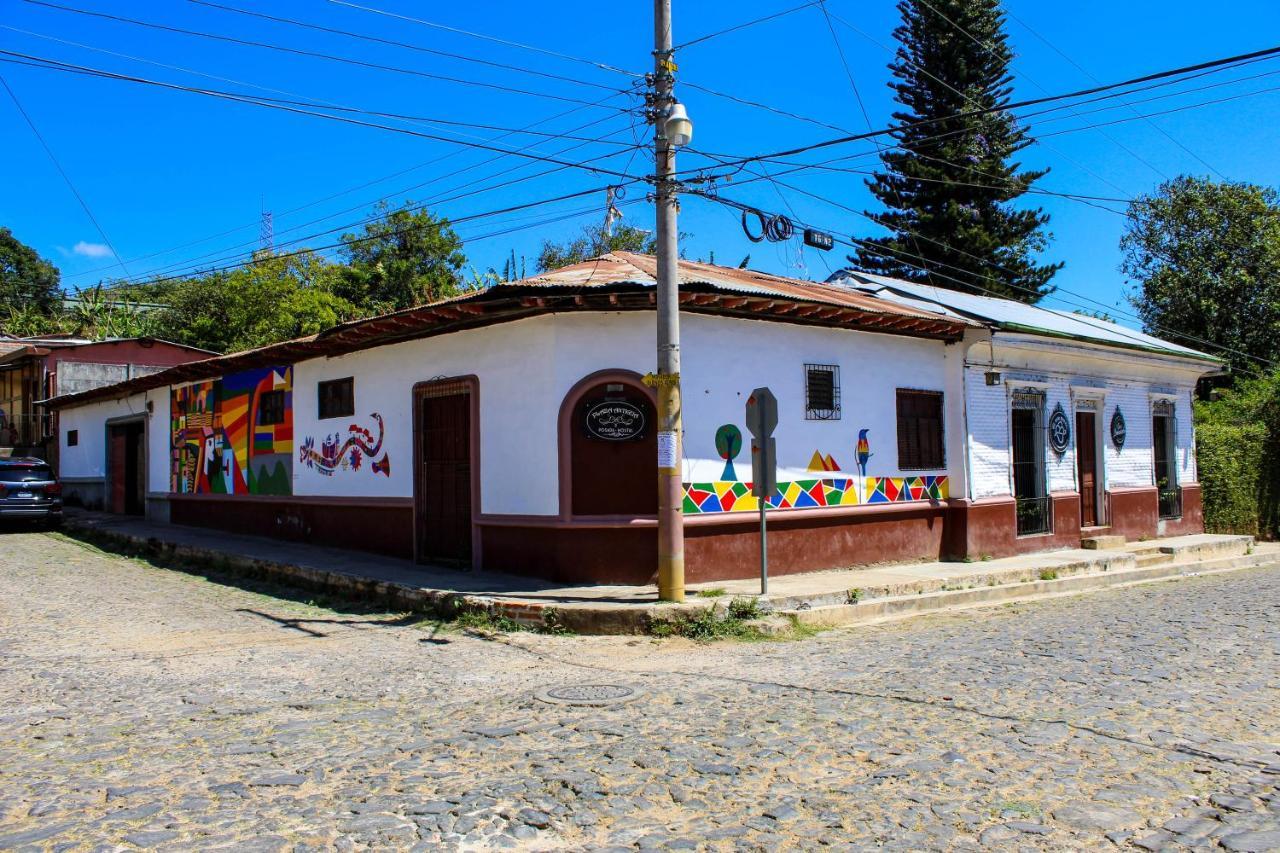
[(28, 490)]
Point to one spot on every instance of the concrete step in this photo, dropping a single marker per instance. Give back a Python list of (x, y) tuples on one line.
[(1106, 542), (1153, 558), (902, 607)]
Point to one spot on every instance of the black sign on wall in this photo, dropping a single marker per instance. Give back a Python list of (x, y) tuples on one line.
[(614, 420), (1118, 429)]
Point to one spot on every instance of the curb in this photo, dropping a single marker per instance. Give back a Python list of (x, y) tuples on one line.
[(904, 607), (821, 610)]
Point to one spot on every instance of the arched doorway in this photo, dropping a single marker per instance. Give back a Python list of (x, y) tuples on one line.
[(612, 442)]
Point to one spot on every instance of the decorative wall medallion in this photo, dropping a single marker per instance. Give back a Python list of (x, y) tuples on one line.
[(1118, 429), (614, 420), (1059, 430)]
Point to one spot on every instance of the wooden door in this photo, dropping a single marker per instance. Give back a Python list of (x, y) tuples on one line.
[(118, 469), (442, 487), (1087, 468)]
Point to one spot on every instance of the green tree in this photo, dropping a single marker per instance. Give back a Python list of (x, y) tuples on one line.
[(1205, 257), (273, 299), (948, 184), (401, 257), (592, 243), (1238, 457), (26, 279)]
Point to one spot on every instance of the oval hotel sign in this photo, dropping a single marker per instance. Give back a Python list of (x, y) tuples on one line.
[(615, 420)]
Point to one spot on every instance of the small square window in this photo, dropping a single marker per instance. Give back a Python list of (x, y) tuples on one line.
[(821, 392), (337, 398), (271, 408), (73, 437)]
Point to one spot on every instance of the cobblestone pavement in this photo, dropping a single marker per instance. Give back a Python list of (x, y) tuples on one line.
[(141, 707)]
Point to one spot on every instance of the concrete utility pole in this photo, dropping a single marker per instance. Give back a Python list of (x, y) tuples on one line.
[(667, 380)]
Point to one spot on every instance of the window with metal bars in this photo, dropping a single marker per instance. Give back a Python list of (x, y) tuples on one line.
[(920, 430), (821, 392)]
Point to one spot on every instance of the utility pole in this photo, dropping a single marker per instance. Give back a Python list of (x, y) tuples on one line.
[(667, 379)]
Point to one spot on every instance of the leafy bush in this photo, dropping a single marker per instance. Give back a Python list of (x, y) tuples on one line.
[(1238, 452)]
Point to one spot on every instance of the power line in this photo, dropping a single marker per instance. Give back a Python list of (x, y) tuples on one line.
[(451, 154), (989, 49), (1092, 77), (308, 53), (879, 250), (746, 24), (356, 240), (313, 102), (255, 101), (406, 45), (494, 39), (1160, 75), (63, 172)]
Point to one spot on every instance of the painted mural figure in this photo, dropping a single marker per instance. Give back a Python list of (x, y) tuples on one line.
[(234, 435), (729, 445), (336, 454)]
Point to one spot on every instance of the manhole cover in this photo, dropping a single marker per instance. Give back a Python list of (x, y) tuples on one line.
[(589, 694)]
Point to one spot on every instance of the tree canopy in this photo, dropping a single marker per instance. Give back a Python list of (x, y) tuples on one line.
[(401, 257), (947, 185), (27, 281), (1205, 257), (591, 243)]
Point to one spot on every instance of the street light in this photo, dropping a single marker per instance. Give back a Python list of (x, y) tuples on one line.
[(677, 127)]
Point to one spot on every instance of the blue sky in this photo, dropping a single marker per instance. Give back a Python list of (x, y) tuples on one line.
[(165, 171)]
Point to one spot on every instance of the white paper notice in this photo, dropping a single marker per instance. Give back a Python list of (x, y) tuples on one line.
[(667, 445)]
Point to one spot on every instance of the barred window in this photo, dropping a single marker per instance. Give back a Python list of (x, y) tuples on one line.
[(920, 430), (821, 392)]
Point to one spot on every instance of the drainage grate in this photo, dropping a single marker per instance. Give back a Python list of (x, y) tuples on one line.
[(593, 695)]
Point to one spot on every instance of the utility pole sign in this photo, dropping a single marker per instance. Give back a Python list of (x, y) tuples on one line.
[(762, 419)]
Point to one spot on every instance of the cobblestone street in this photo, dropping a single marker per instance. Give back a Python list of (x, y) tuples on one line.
[(142, 707)]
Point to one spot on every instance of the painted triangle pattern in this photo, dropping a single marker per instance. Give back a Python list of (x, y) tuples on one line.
[(928, 487)]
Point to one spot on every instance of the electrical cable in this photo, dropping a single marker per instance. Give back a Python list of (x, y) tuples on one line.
[(63, 172), (1084, 318), (1110, 87), (255, 101), (746, 24), (495, 39), (346, 60), (401, 44)]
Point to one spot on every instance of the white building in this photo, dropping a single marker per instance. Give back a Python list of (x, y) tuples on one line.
[(511, 428)]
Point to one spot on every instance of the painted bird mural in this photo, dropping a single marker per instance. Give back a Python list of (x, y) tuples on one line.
[(863, 451)]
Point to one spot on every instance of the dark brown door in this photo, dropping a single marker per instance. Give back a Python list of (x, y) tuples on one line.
[(1087, 468), (614, 476), (127, 459), (442, 487), (118, 469)]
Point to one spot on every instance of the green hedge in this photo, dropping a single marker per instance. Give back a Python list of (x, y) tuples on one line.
[(1228, 456)]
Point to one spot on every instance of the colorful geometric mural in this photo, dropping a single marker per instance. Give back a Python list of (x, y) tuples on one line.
[(723, 496), (863, 451), (219, 441), (929, 487), (818, 462), (350, 454)]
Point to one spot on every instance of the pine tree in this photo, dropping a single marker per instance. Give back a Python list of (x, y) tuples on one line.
[(948, 184)]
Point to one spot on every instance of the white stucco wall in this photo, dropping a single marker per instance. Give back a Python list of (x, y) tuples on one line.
[(1129, 381), (88, 459)]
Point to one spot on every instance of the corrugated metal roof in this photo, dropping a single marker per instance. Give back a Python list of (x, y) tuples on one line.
[(617, 281), (635, 268), (1007, 314)]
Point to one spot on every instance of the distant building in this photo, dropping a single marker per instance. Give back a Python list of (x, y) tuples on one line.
[(35, 369), (512, 429)]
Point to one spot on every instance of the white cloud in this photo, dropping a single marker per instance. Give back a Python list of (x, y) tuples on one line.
[(92, 250)]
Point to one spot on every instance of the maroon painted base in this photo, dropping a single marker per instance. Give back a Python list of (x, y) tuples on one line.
[(717, 547), (379, 525)]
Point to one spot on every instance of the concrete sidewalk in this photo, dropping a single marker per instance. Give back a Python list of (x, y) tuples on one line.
[(820, 598)]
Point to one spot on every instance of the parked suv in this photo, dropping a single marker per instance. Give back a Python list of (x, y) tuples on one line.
[(28, 490)]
